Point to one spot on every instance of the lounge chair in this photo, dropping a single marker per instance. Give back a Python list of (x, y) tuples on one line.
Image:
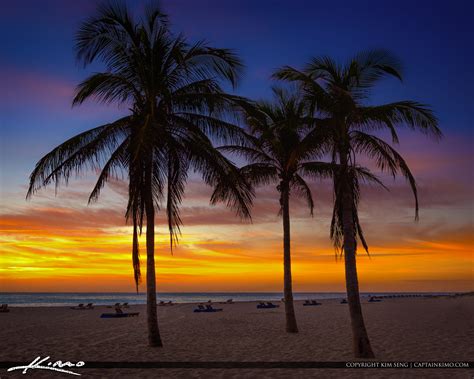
[(310, 303), (208, 308), (4, 308), (79, 307), (89, 306), (374, 300), (267, 305), (119, 314), (343, 301), (228, 301), (200, 308), (125, 305)]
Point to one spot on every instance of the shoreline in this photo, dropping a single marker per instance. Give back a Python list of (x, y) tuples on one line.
[(311, 296)]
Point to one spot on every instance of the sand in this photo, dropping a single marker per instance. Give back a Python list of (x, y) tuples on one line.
[(408, 329)]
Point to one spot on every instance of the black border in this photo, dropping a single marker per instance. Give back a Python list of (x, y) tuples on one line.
[(256, 365)]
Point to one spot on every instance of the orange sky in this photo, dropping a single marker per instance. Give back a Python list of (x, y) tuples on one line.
[(60, 244)]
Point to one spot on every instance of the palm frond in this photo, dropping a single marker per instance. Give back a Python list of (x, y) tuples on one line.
[(368, 67), (258, 174), (250, 153), (136, 255), (89, 147), (217, 171), (325, 68), (177, 176), (299, 185), (410, 113), (318, 170), (107, 35), (387, 158), (116, 161), (219, 130), (107, 88)]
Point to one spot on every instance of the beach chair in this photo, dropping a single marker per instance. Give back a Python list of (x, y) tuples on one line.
[(374, 300), (266, 305), (114, 306), (343, 301), (228, 301), (207, 309), (4, 308), (125, 305), (199, 309), (170, 303), (310, 303), (119, 314), (79, 307), (89, 306)]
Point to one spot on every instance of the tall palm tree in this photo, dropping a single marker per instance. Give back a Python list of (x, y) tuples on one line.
[(339, 95), (279, 147), (176, 106)]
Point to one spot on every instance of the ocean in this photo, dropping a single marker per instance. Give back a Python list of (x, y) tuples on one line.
[(51, 299)]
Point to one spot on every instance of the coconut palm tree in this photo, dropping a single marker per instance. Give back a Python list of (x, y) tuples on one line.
[(177, 106), (339, 94), (279, 147)]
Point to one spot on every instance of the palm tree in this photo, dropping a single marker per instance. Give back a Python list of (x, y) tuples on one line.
[(176, 106), (339, 94), (279, 147)]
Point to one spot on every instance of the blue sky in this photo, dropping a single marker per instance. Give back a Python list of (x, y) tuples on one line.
[(39, 72)]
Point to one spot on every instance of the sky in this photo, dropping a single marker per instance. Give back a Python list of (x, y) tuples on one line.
[(57, 243)]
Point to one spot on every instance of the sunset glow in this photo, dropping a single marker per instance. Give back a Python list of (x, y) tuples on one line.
[(77, 247), (59, 243)]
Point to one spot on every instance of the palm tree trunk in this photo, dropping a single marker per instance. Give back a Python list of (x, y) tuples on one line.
[(360, 338), (154, 338), (291, 326)]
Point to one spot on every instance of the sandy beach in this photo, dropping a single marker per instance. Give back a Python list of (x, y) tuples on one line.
[(406, 329)]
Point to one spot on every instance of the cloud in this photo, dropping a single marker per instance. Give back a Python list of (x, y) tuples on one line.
[(62, 221), (44, 92)]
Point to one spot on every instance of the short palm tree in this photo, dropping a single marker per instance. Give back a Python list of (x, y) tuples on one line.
[(280, 147), (176, 105), (339, 94)]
